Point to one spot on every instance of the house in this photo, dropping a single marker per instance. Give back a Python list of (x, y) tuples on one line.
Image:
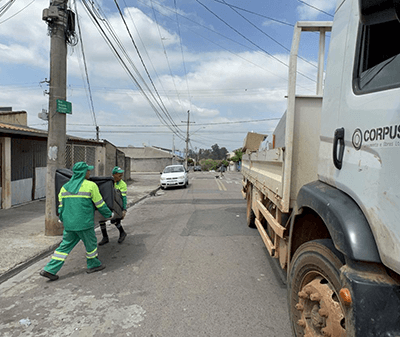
[(150, 158), (23, 159)]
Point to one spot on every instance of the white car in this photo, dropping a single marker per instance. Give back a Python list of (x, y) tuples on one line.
[(174, 175)]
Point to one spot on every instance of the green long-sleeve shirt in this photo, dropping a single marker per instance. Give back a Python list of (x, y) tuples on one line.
[(121, 185)]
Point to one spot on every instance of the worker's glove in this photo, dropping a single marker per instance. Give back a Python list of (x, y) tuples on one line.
[(123, 214), (112, 215)]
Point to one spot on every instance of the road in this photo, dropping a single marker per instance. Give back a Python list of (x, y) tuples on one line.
[(189, 267)]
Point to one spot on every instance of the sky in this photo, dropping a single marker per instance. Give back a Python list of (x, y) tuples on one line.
[(222, 63)]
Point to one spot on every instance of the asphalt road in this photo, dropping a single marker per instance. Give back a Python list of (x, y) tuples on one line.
[(189, 267)]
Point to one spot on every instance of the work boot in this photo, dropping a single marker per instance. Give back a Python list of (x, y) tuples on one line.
[(92, 270), (103, 241), (51, 277), (122, 237)]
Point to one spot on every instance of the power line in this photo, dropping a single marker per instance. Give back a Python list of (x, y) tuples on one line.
[(197, 124), (215, 32), (183, 57), (316, 8), (163, 108), (148, 56), (254, 13), (86, 70), (16, 12), (247, 39), (260, 30), (95, 17)]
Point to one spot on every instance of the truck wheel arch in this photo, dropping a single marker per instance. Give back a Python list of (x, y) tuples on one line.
[(347, 226)]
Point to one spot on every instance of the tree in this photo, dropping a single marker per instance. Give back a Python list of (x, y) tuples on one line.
[(238, 155)]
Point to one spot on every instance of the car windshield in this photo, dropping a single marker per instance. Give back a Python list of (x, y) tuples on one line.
[(172, 169)]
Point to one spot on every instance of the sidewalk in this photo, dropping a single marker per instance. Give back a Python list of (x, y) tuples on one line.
[(22, 238)]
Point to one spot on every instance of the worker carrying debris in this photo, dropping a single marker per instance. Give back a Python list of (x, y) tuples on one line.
[(77, 201), (120, 185)]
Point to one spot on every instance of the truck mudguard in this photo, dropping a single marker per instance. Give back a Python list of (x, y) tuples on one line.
[(344, 219)]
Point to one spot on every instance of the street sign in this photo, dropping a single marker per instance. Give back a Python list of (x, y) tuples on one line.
[(64, 107)]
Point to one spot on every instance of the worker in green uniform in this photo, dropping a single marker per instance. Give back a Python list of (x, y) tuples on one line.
[(77, 201), (119, 184)]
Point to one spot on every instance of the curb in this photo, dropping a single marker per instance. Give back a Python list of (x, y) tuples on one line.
[(48, 251), (151, 193), (23, 265)]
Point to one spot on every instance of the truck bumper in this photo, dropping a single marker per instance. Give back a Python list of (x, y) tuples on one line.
[(375, 309)]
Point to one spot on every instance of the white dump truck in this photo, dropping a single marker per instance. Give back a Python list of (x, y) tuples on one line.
[(325, 193)]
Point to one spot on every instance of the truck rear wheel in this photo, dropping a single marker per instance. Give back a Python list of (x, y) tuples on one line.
[(314, 285), (250, 216)]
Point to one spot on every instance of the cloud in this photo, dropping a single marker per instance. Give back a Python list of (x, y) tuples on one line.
[(309, 13), (218, 87)]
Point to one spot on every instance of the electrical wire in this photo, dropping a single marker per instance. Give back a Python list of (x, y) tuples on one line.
[(247, 39), (149, 58), (16, 12), (94, 16), (258, 14), (163, 108), (6, 7), (316, 8), (183, 57), (165, 53), (269, 36), (197, 124), (91, 104), (215, 32)]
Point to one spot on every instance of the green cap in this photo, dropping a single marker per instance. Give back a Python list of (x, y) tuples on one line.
[(117, 169), (80, 169), (82, 166)]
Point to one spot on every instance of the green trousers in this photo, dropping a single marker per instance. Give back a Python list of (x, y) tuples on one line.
[(70, 240)]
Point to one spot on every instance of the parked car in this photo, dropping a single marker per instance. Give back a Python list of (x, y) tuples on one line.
[(197, 168), (174, 175)]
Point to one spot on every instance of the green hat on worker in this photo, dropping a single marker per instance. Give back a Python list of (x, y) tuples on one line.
[(117, 169), (79, 170), (82, 166)]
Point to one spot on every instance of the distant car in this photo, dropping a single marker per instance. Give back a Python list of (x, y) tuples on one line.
[(174, 175), (197, 168)]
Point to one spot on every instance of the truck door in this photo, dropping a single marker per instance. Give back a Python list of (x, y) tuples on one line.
[(360, 124)]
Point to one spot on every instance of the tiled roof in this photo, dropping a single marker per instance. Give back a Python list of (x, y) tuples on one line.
[(13, 128)]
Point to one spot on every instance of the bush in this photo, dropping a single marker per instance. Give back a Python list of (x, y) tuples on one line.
[(208, 164)]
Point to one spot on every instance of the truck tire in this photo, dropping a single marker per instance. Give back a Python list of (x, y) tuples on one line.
[(313, 291), (250, 216)]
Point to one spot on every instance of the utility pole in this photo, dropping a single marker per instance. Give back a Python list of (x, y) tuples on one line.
[(187, 140), (56, 18), (173, 149)]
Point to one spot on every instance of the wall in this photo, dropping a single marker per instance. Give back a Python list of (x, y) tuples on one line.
[(111, 157), (145, 152), (14, 117), (149, 165), (127, 173)]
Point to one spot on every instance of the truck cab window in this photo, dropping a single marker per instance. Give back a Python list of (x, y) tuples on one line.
[(377, 58)]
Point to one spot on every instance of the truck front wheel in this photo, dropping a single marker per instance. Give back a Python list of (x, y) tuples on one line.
[(314, 285)]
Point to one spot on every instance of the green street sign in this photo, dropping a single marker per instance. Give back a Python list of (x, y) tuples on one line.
[(64, 107)]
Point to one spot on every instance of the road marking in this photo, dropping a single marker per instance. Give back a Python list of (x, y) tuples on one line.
[(221, 186)]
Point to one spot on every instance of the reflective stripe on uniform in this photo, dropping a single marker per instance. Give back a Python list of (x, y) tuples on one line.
[(92, 254), (59, 256), (123, 193), (79, 194), (99, 203)]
